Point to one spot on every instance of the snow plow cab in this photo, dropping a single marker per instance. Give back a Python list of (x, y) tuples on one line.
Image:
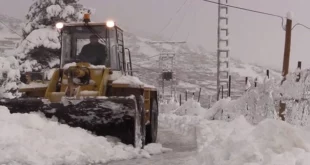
[(96, 92)]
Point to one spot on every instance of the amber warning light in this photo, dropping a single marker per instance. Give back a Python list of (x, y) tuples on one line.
[(86, 17)]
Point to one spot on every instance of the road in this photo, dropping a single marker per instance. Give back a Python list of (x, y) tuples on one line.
[(184, 150)]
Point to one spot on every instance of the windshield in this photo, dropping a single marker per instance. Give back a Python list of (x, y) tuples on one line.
[(92, 44)]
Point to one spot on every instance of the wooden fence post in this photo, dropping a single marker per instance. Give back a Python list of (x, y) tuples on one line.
[(199, 94), (180, 99), (186, 95), (299, 67)]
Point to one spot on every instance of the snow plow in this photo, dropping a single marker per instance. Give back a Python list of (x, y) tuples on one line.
[(93, 88)]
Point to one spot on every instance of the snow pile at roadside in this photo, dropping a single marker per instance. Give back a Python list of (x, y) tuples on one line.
[(191, 107), (271, 142), (32, 139), (167, 107), (182, 119), (238, 142)]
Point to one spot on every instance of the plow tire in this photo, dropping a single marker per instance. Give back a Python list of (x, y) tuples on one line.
[(152, 128)]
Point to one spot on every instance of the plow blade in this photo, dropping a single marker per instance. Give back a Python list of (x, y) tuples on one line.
[(114, 116)]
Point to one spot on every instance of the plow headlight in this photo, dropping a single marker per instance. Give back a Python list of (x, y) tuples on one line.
[(110, 24), (59, 25)]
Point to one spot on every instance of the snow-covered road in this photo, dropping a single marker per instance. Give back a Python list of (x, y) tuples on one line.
[(184, 150)]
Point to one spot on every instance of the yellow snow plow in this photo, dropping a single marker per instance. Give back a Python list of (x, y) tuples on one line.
[(93, 88)]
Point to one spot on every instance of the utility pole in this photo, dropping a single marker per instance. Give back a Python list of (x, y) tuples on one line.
[(222, 49), (286, 60)]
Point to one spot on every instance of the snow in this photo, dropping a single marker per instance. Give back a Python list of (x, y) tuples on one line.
[(268, 141), (131, 81), (247, 71), (9, 76), (32, 139), (53, 11), (155, 148), (147, 49), (97, 66), (33, 85), (69, 10), (190, 87), (54, 62), (88, 92), (290, 15), (28, 65), (68, 65), (190, 108), (248, 85), (47, 37)]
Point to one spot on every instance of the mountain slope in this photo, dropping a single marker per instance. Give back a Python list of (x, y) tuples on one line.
[(194, 67)]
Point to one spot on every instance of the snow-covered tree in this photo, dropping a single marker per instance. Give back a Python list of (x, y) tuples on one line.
[(9, 76), (40, 48)]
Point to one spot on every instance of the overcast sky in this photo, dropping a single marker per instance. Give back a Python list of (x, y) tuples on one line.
[(254, 38)]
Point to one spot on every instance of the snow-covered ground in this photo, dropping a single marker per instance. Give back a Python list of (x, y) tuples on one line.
[(32, 139), (232, 132)]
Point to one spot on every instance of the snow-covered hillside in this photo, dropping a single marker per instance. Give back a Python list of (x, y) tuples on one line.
[(194, 66), (8, 38)]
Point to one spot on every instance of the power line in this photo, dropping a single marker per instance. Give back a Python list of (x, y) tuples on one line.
[(301, 25), (182, 20), (194, 20), (10, 28), (250, 10), (241, 8), (169, 22), (15, 32), (260, 12)]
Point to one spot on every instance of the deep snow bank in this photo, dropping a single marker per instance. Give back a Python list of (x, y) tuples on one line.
[(32, 139), (238, 141), (271, 142)]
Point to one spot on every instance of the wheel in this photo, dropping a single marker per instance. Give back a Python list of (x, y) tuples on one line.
[(142, 114), (140, 120), (152, 128)]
